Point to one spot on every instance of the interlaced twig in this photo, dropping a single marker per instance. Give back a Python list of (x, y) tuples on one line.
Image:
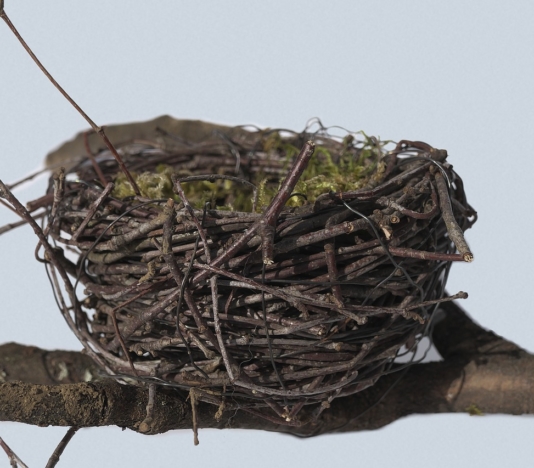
[(301, 304)]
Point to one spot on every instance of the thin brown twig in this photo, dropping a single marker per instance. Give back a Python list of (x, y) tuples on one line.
[(52, 257), (59, 192), (93, 125), (194, 404), (146, 424), (10, 226), (54, 459), (14, 460), (121, 339), (201, 232), (271, 213), (91, 157), (92, 210), (29, 177)]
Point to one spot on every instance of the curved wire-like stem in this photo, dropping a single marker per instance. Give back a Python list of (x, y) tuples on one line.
[(93, 125)]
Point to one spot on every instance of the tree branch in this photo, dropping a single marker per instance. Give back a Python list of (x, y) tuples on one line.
[(481, 373)]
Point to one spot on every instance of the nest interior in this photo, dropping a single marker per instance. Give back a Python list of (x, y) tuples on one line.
[(265, 269)]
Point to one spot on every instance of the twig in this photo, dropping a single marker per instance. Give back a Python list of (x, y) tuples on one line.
[(14, 460), (92, 210), (91, 157), (53, 258), (93, 125), (455, 231), (271, 213), (61, 447), (8, 227), (201, 232), (59, 192), (194, 403), (218, 331), (146, 424)]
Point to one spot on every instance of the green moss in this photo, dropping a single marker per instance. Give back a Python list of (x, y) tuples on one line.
[(348, 169), (154, 185), (474, 410), (323, 175)]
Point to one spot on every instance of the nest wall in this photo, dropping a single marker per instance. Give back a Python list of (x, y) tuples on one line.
[(263, 269)]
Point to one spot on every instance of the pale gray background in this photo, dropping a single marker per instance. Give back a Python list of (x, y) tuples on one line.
[(456, 74)]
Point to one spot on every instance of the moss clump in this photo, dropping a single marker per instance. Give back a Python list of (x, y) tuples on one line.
[(221, 194), (332, 168), (153, 185), (474, 410), (323, 175), (330, 172)]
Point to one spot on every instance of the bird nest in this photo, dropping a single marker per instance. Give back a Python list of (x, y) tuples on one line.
[(261, 269)]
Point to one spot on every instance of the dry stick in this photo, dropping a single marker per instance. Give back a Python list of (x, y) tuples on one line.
[(90, 155), (271, 213), (33, 175), (299, 259), (406, 252), (80, 334), (121, 205), (455, 231), (325, 404), (384, 201), (194, 403), (92, 210), (168, 256), (296, 393), (267, 334), (217, 326), (268, 222), (56, 262), (293, 298), (166, 251), (297, 407), (93, 125), (171, 262), (7, 205), (8, 227), (144, 317), (59, 192), (146, 424), (61, 447), (121, 341), (14, 460), (116, 243), (331, 264), (458, 295), (189, 208), (41, 202)]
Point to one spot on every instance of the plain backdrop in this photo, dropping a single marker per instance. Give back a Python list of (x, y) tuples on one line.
[(457, 74)]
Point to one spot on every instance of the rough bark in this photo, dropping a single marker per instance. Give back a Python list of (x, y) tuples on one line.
[(481, 373)]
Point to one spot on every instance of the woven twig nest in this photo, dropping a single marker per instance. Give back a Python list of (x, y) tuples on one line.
[(264, 269)]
